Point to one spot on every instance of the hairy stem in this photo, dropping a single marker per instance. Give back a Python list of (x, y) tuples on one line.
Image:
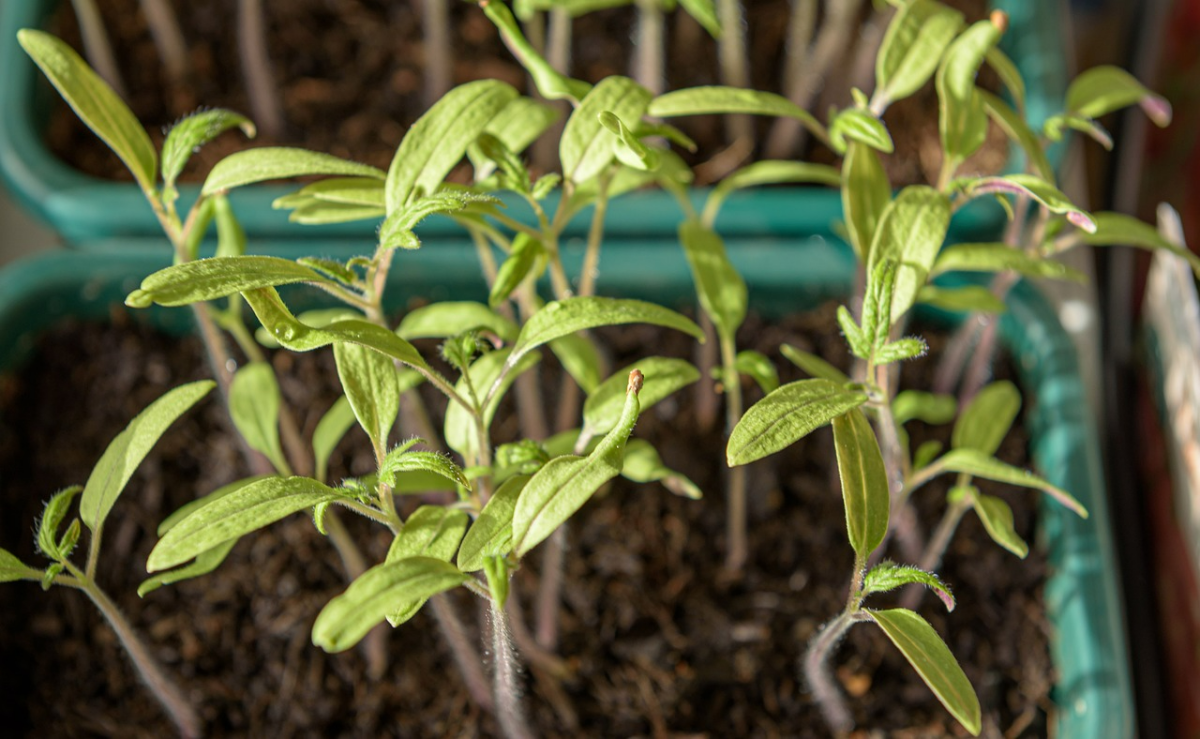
[(168, 39), (738, 551), (509, 712), (163, 688), (96, 45), (821, 682), (466, 658), (549, 589), (256, 66)]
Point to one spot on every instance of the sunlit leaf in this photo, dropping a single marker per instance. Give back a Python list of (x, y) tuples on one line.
[(910, 232), (859, 125), (720, 99), (787, 415), (1117, 229), (931, 408), (962, 121), (1047, 195), (964, 299), (278, 163), (912, 47), (813, 365), (643, 464), (208, 279), (194, 131), (587, 147), (460, 432), (974, 462), (997, 257), (866, 193), (443, 320), (431, 531), (997, 520), (663, 376), (985, 422), (719, 286), (491, 534), (369, 382), (864, 481), (1101, 90), (254, 406)]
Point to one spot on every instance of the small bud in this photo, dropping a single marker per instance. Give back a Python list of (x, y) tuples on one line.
[(635, 382), (999, 19)]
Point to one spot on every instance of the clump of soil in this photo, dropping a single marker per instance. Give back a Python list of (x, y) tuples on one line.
[(350, 77), (657, 639)]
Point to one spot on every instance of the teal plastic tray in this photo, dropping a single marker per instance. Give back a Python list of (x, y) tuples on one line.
[(1088, 646), (89, 212)]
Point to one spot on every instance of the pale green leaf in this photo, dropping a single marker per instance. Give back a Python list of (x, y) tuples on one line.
[(378, 592), (756, 365), (204, 563), (549, 82), (964, 299), (962, 121), (926, 453), (231, 238), (866, 193), (254, 406), (663, 376), (586, 147), (721, 99), (186, 509), (643, 464), (431, 531), (813, 365), (94, 102), (13, 569), (443, 320), (931, 408), (997, 257), (887, 576), (330, 430), (864, 481), (629, 150), (401, 460), (974, 462), (514, 270), (1047, 195), (279, 163), (912, 47), (397, 229), (517, 126), (130, 447), (932, 660), (208, 279), (997, 520), (580, 358), (316, 212), (768, 172), (1008, 73), (985, 422), (52, 517), (719, 286), (705, 13), (910, 232), (233, 515), (787, 415), (859, 125), (194, 131), (1104, 89), (1054, 125), (491, 534), (319, 318), (497, 366), (369, 381), (1015, 127), (1117, 229), (365, 192)]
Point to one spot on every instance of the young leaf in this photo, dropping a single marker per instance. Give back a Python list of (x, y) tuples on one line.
[(986, 421), (186, 509), (1101, 90), (397, 229), (208, 279), (580, 358), (254, 407), (362, 191), (319, 318), (962, 122), (431, 531), (756, 365), (787, 415), (975, 462), (231, 239), (491, 534), (642, 464), (401, 460), (564, 484), (997, 257), (443, 320), (630, 151), (13, 569), (586, 147), (965, 299), (52, 518), (194, 131), (859, 125), (928, 407), (887, 576), (460, 432), (926, 453), (1008, 73), (1053, 128), (518, 265), (1049, 196), (860, 345), (1015, 127), (204, 563), (663, 377), (912, 47), (315, 212), (864, 481), (720, 287), (705, 13), (130, 447), (233, 515), (1117, 229), (767, 172), (330, 430), (549, 82), (911, 232), (380, 591), (278, 163), (439, 139), (932, 660), (720, 99), (997, 519), (369, 381), (94, 102), (865, 195), (517, 126), (900, 350), (813, 365)]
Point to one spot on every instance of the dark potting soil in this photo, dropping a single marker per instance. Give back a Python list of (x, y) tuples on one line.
[(658, 641), (350, 78)]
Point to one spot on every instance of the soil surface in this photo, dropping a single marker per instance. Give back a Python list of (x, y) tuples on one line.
[(350, 78), (657, 640)]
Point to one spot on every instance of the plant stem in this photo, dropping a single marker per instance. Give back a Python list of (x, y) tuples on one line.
[(558, 42), (738, 550), (648, 48), (164, 28), (735, 71), (256, 65), (463, 651), (164, 689), (820, 680), (504, 676), (549, 588), (435, 24), (96, 45), (931, 558), (704, 397)]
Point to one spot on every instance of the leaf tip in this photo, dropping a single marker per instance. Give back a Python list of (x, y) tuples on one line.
[(1156, 109), (1082, 220), (139, 299)]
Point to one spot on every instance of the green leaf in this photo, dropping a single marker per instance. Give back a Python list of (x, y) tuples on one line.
[(719, 286), (1015, 127), (997, 257), (208, 279), (643, 464), (56, 510), (314, 212), (787, 415), (549, 82), (205, 562), (855, 337), (254, 407), (974, 462), (130, 447), (231, 239), (563, 317), (233, 515), (401, 460), (278, 163), (186, 509), (580, 358), (290, 333), (859, 125), (431, 531), (756, 365), (491, 534), (337, 271), (926, 453), (1116, 229), (911, 232), (813, 365), (864, 481), (965, 299), (900, 350), (912, 47), (887, 576), (721, 99), (768, 172), (13, 569), (490, 369), (663, 376), (932, 660), (94, 102), (366, 192), (997, 519), (1008, 73), (1053, 128), (1101, 90), (1049, 196), (705, 13), (51, 572), (987, 419), (517, 126), (564, 484), (443, 320), (586, 147), (962, 121), (931, 408), (194, 131), (397, 229), (630, 151), (518, 265), (369, 381), (330, 430), (439, 139), (866, 193), (378, 592), (319, 318)]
